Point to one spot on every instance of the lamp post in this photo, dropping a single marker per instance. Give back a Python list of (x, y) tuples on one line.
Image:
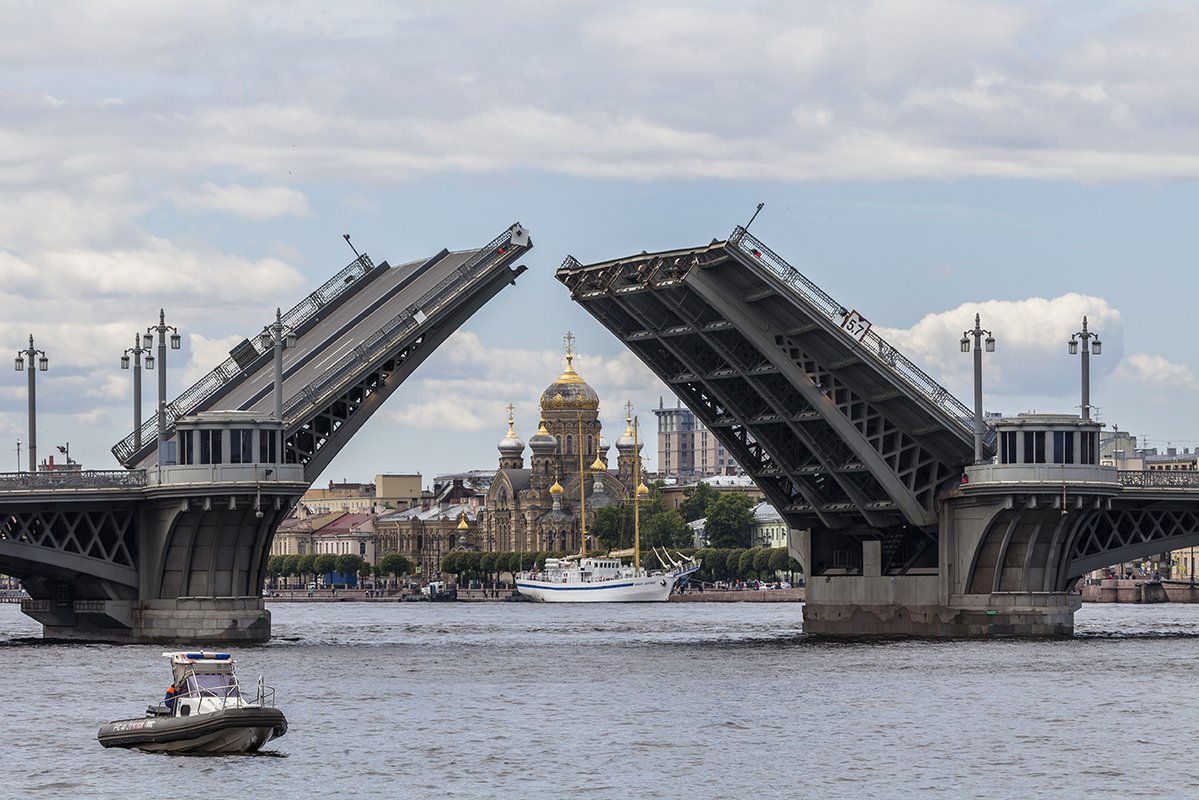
[(1088, 347), (176, 342), (278, 336), (43, 364), (979, 342), (137, 351)]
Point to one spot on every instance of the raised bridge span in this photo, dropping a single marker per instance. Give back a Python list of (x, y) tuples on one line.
[(872, 460), (178, 551)]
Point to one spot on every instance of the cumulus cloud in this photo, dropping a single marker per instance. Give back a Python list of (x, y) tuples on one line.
[(1156, 373), (1031, 356), (772, 90)]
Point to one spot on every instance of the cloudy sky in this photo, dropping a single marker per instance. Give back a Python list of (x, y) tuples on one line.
[(920, 161)]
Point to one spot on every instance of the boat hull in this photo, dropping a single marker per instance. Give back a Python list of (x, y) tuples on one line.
[(224, 732), (641, 589)]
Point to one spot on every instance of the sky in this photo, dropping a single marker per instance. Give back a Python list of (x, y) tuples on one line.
[(922, 162)]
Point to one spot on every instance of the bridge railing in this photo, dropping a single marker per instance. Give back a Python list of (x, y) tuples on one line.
[(212, 383), (1158, 479), (874, 346), (401, 325), (72, 479)]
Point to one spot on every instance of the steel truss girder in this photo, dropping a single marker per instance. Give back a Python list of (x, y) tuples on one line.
[(807, 448), (99, 542), (1032, 546), (1111, 536), (620, 297), (917, 502), (716, 407)]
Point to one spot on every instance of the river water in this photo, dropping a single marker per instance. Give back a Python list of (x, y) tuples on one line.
[(707, 700)]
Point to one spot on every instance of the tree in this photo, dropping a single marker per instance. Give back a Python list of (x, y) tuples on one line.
[(350, 564), (452, 563), (291, 566), (610, 525), (274, 568), (324, 564), (730, 521), (697, 501), (732, 563), (762, 561), (395, 564), (306, 565), (665, 528)]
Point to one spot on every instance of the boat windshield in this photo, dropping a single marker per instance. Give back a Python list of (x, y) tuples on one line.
[(211, 685)]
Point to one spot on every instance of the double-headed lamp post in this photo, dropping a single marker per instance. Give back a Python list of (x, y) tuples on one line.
[(1088, 347), (43, 364), (279, 336), (137, 351), (176, 342), (979, 342)]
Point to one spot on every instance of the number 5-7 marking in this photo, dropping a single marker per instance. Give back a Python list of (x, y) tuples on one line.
[(856, 325)]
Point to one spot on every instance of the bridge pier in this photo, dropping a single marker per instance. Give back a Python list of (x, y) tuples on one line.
[(873, 605)]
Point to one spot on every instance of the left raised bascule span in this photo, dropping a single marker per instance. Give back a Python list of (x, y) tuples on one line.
[(175, 549)]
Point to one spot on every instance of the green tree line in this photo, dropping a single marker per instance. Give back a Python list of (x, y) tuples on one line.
[(313, 565)]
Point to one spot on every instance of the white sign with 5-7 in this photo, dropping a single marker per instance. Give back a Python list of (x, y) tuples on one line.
[(856, 325)]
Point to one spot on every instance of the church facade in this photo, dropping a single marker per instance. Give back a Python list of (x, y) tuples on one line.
[(537, 507)]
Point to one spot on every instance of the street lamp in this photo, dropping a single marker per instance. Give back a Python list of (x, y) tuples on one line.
[(148, 341), (979, 342), (278, 335), (1088, 347), (43, 364), (137, 350)]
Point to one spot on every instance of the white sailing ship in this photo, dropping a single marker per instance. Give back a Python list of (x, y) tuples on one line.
[(607, 579)]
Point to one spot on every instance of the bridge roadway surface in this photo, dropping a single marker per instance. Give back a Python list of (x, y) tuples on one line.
[(334, 336)]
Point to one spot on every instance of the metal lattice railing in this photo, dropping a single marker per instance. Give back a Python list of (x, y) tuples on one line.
[(399, 326), (212, 383), (72, 479), (874, 346), (1159, 479)]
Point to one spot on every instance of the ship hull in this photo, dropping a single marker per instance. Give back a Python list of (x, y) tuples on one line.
[(641, 589)]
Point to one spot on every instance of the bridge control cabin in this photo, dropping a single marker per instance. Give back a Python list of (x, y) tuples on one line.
[(1044, 448), (228, 446)]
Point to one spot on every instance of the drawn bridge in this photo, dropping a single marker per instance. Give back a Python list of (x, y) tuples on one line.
[(865, 454), (179, 551)]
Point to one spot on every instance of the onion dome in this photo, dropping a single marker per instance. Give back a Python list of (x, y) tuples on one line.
[(511, 444), (599, 493), (625, 442), (543, 441), (462, 523), (598, 465), (556, 488), (569, 392)]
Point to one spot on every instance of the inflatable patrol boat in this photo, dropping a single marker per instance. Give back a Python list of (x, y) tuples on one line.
[(204, 712)]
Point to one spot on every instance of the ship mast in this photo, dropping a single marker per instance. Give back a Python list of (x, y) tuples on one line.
[(639, 489), (582, 493)]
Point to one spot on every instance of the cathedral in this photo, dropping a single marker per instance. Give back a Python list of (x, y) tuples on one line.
[(537, 507)]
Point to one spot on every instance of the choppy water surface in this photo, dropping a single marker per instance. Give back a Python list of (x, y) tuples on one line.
[(520, 700)]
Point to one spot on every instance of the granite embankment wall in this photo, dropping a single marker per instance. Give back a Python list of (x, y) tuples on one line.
[(1140, 591)]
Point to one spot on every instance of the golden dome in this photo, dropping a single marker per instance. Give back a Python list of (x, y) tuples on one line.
[(569, 392), (598, 464), (556, 488), (462, 523)]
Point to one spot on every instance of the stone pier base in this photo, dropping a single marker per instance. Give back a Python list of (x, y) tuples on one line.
[(193, 621), (1047, 614)]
